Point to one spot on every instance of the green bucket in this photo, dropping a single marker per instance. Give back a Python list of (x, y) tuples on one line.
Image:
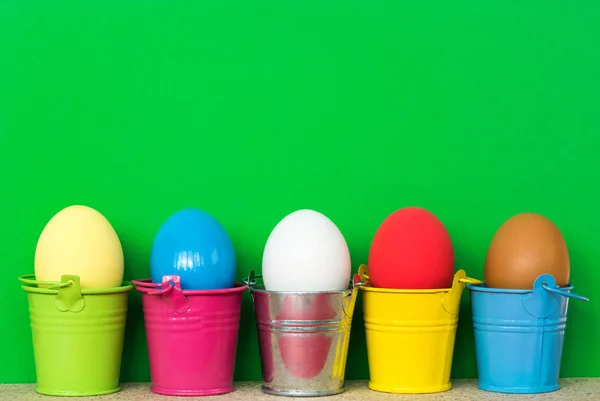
[(77, 335)]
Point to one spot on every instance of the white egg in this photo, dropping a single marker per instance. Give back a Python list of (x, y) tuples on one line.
[(306, 252)]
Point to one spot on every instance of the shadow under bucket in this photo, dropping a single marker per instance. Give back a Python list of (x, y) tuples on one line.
[(519, 336), (303, 339), (410, 335), (192, 337), (77, 335)]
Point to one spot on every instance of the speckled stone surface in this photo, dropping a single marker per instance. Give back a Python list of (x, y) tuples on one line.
[(463, 390)]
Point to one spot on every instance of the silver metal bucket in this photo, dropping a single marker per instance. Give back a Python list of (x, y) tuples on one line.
[(303, 338)]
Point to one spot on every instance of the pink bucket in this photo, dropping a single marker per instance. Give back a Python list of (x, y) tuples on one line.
[(192, 337)]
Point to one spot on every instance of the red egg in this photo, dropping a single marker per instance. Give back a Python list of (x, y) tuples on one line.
[(411, 250)]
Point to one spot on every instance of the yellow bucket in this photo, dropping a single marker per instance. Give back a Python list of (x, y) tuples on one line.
[(410, 335)]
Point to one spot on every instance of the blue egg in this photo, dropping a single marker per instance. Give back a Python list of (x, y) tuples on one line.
[(193, 245)]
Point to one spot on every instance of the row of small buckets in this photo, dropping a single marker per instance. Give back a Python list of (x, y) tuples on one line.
[(303, 337)]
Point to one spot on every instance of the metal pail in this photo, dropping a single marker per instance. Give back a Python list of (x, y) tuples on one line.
[(192, 336), (77, 335), (410, 335), (519, 336), (303, 338)]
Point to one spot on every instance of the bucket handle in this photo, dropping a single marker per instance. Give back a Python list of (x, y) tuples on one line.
[(29, 279), (365, 279), (160, 288), (251, 281), (542, 301), (451, 300), (170, 288), (364, 275), (558, 291), (145, 284), (68, 298), (469, 280)]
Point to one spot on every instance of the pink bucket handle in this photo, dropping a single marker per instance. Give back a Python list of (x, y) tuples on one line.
[(171, 290), (165, 287), (161, 291), (145, 284)]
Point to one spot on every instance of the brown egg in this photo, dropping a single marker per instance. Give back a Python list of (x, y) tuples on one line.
[(524, 247)]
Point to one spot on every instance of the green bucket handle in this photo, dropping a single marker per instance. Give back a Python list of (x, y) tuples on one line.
[(51, 285), (68, 298)]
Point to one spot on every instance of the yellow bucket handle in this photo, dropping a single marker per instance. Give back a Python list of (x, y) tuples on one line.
[(451, 300), (362, 273), (364, 276), (468, 280)]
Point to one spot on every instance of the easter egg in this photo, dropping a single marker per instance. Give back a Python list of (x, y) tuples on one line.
[(194, 246), (306, 252), (411, 250), (78, 240), (526, 246)]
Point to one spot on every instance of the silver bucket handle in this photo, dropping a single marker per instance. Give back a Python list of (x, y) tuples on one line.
[(251, 280)]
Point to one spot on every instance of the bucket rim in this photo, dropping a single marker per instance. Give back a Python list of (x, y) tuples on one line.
[(29, 283), (482, 288), (146, 286)]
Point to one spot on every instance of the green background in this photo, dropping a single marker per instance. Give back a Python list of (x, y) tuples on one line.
[(253, 109)]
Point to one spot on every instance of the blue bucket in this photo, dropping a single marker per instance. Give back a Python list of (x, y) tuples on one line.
[(519, 336)]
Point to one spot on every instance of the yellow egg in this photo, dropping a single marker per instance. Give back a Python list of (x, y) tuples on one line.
[(78, 240)]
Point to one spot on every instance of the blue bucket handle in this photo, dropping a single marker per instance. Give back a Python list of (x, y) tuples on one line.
[(543, 300), (558, 291)]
